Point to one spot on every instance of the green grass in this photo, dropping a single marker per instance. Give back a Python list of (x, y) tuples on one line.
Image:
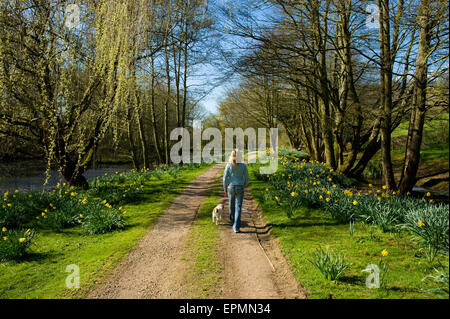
[(429, 127), (429, 154), (434, 151), (42, 273), (201, 254), (311, 228)]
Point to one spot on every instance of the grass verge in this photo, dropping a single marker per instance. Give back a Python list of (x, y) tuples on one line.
[(204, 268), (42, 274)]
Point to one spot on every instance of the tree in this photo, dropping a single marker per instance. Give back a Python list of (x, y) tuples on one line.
[(63, 86)]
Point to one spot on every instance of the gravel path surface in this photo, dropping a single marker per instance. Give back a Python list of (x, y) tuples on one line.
[(147, 270), (253, 264)]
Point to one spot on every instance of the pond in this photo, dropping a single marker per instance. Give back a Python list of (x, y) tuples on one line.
[(30, 175)]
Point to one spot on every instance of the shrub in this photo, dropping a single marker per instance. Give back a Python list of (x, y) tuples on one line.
[(374, 170), (54, 210), (14, 243), (173, 170), (158, 173), (441, 278), (17, 210), (380, 213), (329, 264), (62, 216), (431, 224), (116, 195), (63, 207), (341, 209), (101, 220)]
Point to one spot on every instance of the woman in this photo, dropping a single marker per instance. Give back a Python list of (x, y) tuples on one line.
[(235, 179)]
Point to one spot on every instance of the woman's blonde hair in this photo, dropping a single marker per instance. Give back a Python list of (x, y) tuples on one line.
[(235, 158)]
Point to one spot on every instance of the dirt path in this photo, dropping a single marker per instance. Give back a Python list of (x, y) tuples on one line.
[(147, 271), (254, 266)]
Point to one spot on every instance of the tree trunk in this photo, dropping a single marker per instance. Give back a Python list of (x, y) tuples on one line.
[(166, 110), (130, 136), (386, 94), (418, 113), (153, 115), (74, 175), (373, 146), (143, 141)]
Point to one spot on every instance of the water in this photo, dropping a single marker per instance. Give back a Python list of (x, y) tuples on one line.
[(418, 189), (30, 175)]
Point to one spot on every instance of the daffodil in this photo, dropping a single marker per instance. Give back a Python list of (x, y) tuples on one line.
[(21, 240), (355, 203), (3, 229), (384, 253), (420, 223)]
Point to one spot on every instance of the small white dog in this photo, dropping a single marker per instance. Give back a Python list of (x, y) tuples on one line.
[(217, 214)]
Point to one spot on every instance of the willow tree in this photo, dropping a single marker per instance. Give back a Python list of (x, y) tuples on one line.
[(62, 86)]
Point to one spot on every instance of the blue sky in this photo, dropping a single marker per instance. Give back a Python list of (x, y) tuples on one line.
[(210, 74)]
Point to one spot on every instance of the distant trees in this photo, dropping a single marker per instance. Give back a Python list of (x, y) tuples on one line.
[(343, 84)]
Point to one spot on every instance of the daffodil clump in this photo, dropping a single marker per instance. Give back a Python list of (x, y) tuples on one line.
[(14, 243), (312, 184)]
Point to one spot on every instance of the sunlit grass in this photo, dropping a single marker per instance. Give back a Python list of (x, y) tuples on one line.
[(202, 255), (312, 228)]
